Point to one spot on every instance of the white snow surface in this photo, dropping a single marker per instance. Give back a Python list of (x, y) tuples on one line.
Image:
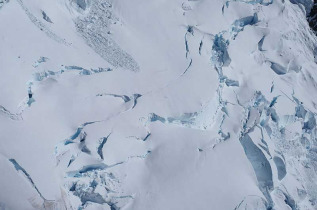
[(157, 104)]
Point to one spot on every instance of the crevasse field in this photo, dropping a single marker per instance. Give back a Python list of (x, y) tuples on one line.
[(158, 104)]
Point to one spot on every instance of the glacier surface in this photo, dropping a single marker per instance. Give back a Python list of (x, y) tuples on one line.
[(150, 105)]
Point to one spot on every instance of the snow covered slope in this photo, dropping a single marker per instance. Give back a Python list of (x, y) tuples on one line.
[(161, 104)]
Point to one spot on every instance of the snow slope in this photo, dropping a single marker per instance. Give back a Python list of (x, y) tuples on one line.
[(135, 104)]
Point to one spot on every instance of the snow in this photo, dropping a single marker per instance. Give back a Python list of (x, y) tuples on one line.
[(184, 104)]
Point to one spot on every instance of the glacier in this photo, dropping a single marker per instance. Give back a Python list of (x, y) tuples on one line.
[(150, 105)]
